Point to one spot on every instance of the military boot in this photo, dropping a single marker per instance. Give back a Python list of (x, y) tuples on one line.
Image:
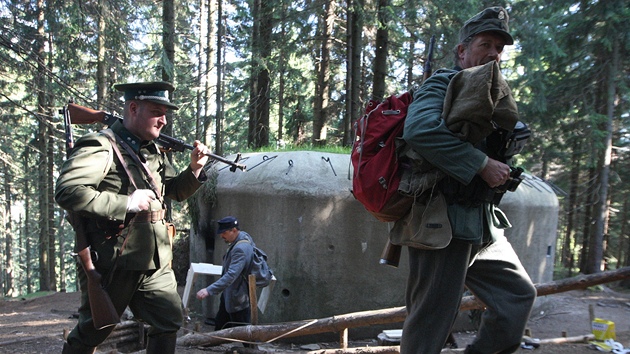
[(470, 350), (67, 349), (162, 344)]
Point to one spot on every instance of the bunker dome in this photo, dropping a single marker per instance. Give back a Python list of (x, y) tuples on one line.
[(323, 246)]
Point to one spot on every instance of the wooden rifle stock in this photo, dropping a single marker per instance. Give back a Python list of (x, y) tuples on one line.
[(84, 115), (391, 252), (104, 313)]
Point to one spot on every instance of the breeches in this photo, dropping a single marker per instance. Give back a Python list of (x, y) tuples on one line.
[(151, 295)]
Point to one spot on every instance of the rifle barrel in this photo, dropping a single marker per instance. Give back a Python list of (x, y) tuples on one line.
[(82, 115)]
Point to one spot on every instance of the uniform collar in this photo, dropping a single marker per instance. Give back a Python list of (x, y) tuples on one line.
[(133, 141)]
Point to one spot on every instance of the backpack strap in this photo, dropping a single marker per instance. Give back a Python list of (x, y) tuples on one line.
[(249, 270)]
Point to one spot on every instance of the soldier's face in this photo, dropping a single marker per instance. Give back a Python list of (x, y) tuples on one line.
[(229, 235), (146, 119), (484, 48)]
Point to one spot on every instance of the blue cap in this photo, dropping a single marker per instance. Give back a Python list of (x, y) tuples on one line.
[(227, 223), (156, 92)]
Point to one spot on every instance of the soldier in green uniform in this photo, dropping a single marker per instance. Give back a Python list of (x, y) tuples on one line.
[(123, 203), (479, 256)]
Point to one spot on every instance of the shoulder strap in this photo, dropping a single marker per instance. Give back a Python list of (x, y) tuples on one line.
[(114, 138), (111, 136)]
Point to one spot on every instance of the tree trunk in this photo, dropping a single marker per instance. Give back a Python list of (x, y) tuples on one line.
[(219, 97), (380, 58), (210, 89), (596, 247), (588, 219), (101, 65), (353, 75), (259, 96), (167, 73), (8, 290), (45, 280), (50, 202), (569, 237), (622, 233), (26, 237), (281, 69), (322, 90)]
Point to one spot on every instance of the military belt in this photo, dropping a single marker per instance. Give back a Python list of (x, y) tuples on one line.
[(149, 216)]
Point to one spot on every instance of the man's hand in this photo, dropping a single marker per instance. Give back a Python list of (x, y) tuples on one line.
[(198, 157), (203, 293), (140, 200), (495, 173)]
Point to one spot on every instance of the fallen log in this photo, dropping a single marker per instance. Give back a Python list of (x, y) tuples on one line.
[(562, 340), (371, 350), (272, 332)]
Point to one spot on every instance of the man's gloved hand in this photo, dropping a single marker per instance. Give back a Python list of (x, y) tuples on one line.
[(140, 200)]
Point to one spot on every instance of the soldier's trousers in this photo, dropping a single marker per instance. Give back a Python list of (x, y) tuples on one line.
[(434, 290), (151, 295)]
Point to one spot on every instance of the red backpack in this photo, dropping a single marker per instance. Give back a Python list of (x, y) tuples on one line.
[(374, 158)]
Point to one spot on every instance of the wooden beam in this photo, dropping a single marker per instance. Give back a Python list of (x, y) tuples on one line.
[(271, 332)]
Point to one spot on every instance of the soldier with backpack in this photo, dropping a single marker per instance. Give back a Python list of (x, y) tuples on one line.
[(238, 262), (477, 255)]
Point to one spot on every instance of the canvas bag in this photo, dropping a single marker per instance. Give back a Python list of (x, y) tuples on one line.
[(259, 266)]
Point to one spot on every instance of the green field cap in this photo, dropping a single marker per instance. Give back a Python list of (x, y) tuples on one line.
[(493, 19), (156, 91)]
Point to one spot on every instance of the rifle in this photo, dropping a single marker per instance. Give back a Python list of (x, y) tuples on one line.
[(84, 115), (391, 253), (104, 313)]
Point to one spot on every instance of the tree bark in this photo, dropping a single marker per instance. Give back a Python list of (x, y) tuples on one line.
[(322, 93), (596, 246), (353, 68), (380, 58), (219, 97), (45, 278), (101, 67), (259, 96)]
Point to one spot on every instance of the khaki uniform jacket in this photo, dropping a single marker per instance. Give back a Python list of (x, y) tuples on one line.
[(95, 184)]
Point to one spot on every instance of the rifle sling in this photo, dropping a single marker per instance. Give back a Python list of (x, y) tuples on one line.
[(136, 159)]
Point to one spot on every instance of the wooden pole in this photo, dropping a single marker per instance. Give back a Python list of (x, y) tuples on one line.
[(253, 300), (271, 332)]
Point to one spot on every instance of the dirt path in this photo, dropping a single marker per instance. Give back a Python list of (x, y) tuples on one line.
[(36, 326)]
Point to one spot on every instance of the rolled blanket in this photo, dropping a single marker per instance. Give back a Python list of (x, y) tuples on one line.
[(478, 100)]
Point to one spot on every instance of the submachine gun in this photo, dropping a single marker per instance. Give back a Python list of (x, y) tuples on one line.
[(506, 144)]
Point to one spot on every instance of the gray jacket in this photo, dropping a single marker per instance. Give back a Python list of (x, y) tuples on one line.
[(237, 262)]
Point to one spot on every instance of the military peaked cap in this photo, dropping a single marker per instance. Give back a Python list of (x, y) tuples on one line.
[(156, 91)]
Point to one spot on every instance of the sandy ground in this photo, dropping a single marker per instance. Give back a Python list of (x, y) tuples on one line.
[(37, 325)]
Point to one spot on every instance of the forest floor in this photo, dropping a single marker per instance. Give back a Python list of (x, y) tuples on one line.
[(30, 326)]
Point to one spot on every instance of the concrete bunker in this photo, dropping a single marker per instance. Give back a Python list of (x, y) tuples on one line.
[(324, 247)]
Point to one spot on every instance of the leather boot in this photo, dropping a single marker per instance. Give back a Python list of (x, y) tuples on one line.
[(67, 349), (162, 344), (470, 350)]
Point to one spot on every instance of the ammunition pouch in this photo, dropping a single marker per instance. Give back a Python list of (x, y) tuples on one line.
[(110, 228), (475, 193)]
